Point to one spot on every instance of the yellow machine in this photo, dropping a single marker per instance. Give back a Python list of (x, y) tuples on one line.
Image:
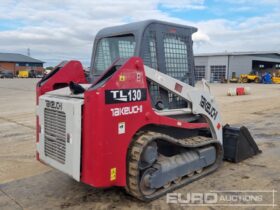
[(245, 78), (23, 74), (234, 78), (276, 80)]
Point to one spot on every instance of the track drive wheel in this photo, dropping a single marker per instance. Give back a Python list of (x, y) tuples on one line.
[(137, 183)]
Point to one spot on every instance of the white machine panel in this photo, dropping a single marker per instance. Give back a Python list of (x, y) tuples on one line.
[(202, 102), (60, 138)]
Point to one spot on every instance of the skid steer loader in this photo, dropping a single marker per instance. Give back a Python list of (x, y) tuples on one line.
[(138, 122)]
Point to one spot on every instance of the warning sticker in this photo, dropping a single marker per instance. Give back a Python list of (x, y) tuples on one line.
[(122, 78), (121, 128), (113, 175)]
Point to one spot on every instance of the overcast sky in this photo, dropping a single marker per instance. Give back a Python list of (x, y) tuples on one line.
[(56, 30)]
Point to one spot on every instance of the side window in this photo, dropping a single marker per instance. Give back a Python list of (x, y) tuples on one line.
[(150, 52), (126, 48), (150, 59), (172, 59), (103, 57), (176, 63), (153, 51), (110, 48), (176, 56)]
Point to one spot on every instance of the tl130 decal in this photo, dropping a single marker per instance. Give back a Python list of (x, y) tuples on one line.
[(125, 95)]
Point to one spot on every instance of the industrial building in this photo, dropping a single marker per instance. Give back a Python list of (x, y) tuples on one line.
[(16, 62), (216, 67)]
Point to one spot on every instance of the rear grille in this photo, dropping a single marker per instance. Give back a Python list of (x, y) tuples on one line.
[(55, 134)]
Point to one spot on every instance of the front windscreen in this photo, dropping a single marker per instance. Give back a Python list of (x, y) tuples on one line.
[(110, 48)]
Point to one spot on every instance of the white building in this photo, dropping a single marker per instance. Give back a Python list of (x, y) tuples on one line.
[(214, 66)]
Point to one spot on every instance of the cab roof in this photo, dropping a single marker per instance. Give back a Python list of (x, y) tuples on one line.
[(137, 28)]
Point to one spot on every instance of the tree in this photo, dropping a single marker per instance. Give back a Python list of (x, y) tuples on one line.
[(49, 68)]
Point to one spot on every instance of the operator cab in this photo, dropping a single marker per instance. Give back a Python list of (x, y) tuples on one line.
[(166, 47)]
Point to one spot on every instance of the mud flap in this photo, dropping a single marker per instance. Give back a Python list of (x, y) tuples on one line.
[(238, 144)]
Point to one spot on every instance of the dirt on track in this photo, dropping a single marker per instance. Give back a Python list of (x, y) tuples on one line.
[(28, 184)]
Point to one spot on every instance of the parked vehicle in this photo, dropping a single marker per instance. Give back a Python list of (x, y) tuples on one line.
[(39, 75), (276, 80), (6, 74), (23, 74), (47, 71), (234, 78), (29, 74), (246, 78)]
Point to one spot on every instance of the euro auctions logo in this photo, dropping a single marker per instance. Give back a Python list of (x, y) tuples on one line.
[(234, 198), (192, 198)]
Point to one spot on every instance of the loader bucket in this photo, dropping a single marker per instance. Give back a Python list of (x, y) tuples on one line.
[(238, 144)]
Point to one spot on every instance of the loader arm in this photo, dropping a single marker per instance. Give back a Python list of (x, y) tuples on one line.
[(202, 102)]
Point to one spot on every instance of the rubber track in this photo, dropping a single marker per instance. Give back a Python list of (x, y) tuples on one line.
[(142, 139)]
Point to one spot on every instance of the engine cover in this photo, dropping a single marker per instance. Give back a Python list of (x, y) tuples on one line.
[(60, 135)]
